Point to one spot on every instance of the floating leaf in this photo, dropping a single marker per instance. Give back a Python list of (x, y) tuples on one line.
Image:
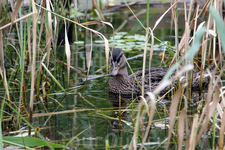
[(139, 37), (120, 41), (130, 43), (99, 41), (121, 33), (129, 46), (141, 43), (128, 36), (79, 42), (117, 37), (130, 40), (119, 44), (127, 49)]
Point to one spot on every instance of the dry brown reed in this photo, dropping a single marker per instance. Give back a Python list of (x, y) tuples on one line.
[(199, 124)]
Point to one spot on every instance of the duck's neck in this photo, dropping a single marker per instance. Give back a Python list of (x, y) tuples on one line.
[(123, 72)]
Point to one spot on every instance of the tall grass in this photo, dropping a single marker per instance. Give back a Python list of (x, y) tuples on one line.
[(193, 129), (185, 128)]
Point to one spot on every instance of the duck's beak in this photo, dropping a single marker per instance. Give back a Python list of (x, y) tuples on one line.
[(114, 69)]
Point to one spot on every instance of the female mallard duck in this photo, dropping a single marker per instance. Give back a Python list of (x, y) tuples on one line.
[(120, 82)]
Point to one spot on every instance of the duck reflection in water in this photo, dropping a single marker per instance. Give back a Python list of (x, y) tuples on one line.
[(119, 112)]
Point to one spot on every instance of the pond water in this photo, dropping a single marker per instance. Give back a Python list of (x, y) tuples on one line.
[(93, 126), (86, 116)]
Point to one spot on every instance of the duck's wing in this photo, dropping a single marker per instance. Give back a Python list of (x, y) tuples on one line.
[(197, 77), (152, 78)]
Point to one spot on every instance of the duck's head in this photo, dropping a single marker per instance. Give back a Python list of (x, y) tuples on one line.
[(118, 63)]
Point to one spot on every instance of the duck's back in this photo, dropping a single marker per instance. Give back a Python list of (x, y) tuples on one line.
[(154, 77), (151, 80)]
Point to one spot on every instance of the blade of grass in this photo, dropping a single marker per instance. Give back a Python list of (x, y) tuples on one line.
[(49, 34), (29, 141), (150, 57), (88, 101), (29, 125), (10, 142), (194, 130), (150, 116), (161, 17), (181, 129), (2, 70), (33, 62), (29, 34), (22, 58), (147, 14), (67, 50), (144, 62), (221, 139), (41, 27), (186, 45), (62, 112), (56, 81), (214, 130), (16, 10), (133, 143), (173, 112), (210, 109), (97, 10), (219, 25), (17, 20), (89, 64)]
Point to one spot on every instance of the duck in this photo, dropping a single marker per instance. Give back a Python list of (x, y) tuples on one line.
[(122, 83)]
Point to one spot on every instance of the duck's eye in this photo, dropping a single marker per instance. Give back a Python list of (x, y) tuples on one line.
[(118, 60)]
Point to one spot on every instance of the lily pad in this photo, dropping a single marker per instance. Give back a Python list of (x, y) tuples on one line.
[(120, 41), (141, 43), (121, 33), (156, 46), (127, 49), (130, 40), (99, 41), (139, 46), (110, 41), (120, 44), (116, 37), (139, 37), (78, 42), (130, 43), (129, 37)]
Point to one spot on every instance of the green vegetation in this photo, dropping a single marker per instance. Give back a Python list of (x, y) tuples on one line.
[(44, 103)]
